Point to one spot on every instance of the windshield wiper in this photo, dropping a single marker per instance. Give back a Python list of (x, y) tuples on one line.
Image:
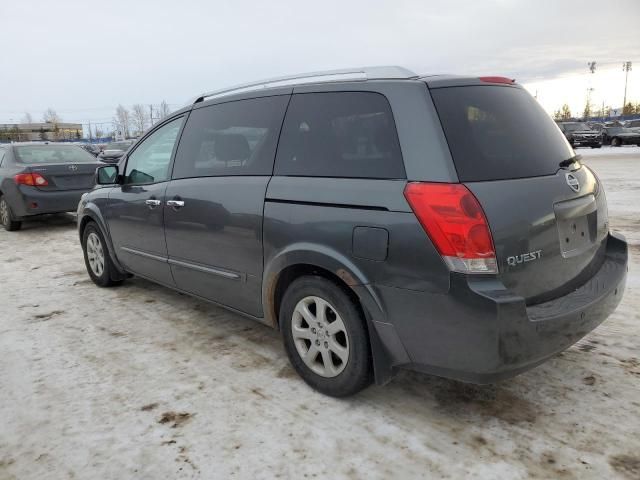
[(569, 161)]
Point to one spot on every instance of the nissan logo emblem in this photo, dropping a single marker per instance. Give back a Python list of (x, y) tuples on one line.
[(73, 168), (573, 182)]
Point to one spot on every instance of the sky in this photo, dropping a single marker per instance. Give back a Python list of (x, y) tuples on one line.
[(84, 58)]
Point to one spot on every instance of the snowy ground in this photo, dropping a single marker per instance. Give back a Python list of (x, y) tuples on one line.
[(142, 382)]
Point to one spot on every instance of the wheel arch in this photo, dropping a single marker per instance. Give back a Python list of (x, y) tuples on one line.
[(91, 213), (309, 259)]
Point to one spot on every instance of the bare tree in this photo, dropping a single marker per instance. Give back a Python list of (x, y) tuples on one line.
[(27, 118), (122, 121), (51, 116), (139, 115), (164, 110)]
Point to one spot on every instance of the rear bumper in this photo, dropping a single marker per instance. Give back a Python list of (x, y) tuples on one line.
[(31, 201), (480, 332)]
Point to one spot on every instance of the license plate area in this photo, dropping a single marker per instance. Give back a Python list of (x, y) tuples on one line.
[(72, 181), (577, 222), (576, 234)]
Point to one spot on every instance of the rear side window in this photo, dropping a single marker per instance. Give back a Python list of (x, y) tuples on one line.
[(339, 134), (235, 138), (497, 133)]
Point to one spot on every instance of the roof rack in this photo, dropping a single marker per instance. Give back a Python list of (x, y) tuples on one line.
[(346, 75)]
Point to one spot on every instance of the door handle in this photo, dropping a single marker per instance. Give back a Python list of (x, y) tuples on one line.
[(152, 202), (175, 203)]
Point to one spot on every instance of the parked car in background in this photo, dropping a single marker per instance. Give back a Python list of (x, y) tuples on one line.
[(633, 125), (89, 147), (113, 151), (380, 220), (580, 134), (38, 178), (618, 136), (596, 126)]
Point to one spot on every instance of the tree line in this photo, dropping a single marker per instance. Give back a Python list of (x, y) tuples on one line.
[(564, 112), (129, 122), (52, 131), (134, 121)]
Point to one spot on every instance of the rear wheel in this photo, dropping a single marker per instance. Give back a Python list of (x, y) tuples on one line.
[(325, 337), (616, 142), (97, 259), (6, 217)]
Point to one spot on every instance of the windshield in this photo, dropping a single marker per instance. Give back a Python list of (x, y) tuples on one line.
[(123, 146), (496, 133), (574, 127), (33, 154)]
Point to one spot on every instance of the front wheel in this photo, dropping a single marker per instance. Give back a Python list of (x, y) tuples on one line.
[(616, 142), (325, 337), (97, 259), (6, 217)]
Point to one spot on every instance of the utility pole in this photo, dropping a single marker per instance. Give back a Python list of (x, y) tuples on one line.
[(89, 131), (592, 69), (587, 108), (626, 67), (151, 114)]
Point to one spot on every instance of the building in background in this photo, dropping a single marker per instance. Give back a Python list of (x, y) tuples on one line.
[(25, 132)]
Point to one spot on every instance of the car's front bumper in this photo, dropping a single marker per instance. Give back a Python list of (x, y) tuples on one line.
[(586, 142), (31, 201), (480, 332)]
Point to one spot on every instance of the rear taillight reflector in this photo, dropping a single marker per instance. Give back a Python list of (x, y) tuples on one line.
[(455, 223), (32, 179)]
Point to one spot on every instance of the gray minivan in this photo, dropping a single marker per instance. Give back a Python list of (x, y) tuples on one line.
[(379, 219)]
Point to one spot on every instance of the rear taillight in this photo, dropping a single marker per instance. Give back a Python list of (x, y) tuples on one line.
[(455, 223), (32, 179)]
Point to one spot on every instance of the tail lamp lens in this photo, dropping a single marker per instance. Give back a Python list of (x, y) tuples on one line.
[(454, 221), (32, 179)]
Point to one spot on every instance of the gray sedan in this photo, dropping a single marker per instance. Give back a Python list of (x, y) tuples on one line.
[(39, 178)]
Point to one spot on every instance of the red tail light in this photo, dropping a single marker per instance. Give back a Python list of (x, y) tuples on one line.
[(32, 179), (455, 223)]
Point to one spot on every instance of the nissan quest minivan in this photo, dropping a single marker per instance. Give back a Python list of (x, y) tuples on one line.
[(379, 219)]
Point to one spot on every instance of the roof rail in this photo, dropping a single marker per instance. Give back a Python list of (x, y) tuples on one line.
[(346, 75)]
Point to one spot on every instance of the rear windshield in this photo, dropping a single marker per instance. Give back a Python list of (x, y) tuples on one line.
[(497, 133), (33, 154)]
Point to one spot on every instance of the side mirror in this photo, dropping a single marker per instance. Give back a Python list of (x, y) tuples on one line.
[(107, 175)]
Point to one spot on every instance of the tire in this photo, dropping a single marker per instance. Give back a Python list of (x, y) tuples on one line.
[(7, 219), (616, 142), (335, 374), (103, 273)]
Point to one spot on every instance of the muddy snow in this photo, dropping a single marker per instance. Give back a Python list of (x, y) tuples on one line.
[(142, 382)]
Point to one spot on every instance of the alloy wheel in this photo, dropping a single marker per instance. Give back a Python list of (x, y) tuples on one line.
[(95, 254), (4, 212), (320, 336)]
